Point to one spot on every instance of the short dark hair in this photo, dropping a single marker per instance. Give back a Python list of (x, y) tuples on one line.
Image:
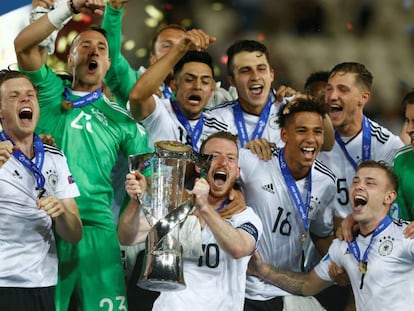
[(383, 166), (317, 76), (307, 103), (408, 99), (363, 76), (221, 134), (244, 46), (194, 56), (160, 30), (94, 28), (7, 74)]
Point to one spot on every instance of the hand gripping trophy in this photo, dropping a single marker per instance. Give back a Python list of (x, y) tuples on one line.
[(164, 210)]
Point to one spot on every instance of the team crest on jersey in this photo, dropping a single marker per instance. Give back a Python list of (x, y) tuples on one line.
[(313, 207), (52, 178), (273, 122), (100, 116), (386, 246)]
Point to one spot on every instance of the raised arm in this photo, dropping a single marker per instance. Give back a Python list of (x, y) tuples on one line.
[(29, 54), (141, 100), (120, 77), (237, 242)]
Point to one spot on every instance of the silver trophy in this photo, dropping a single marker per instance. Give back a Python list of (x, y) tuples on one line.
[(163, 264)]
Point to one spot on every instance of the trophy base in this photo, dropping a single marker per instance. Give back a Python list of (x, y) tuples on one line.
[(161, 285)]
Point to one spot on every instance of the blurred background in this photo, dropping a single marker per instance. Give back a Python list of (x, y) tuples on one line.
[(303, 36)]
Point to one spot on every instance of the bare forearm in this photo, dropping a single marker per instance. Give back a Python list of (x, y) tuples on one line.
[(69, 227), (234, 241), (131, 226), (292, 282), (297, 283), (28, 52)]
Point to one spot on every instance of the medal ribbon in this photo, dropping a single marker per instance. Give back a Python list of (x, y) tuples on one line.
[(195, 133), (295, 195), (218, 209), (36, 167), (166, 92), (84, 100), (354, 248), (366, 143), (260, 126)]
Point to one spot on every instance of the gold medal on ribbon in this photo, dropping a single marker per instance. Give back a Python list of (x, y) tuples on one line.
[(67, 105), (363, 267), (304, 235)]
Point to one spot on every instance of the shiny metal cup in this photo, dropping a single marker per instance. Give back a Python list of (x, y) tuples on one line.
[(163, 266)]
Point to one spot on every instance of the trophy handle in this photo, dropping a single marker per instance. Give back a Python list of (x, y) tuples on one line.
[(203, 161), (171, 220), (163, 263)]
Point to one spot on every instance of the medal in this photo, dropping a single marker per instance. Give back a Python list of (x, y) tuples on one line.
[(87, 99), (67, 105), (304, 235), (363, 266), (40, 192)]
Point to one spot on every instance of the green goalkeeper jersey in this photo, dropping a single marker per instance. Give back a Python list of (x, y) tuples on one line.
[(403, 166), (91, 136)]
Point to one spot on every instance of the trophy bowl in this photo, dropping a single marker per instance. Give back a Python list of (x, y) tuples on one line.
[(163, 263)]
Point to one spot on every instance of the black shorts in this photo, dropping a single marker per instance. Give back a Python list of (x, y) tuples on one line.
[(274, 304), (27, 299)]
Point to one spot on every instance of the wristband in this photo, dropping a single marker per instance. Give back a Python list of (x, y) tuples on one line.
[(59, 15)]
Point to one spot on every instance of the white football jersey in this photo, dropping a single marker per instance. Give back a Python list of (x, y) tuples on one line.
[(266, 192), (27, 244), (389, 281), (163, 124), (384, 145), (225, 113), (216, 281)]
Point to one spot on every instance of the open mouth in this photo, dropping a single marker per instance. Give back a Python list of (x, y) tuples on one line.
[(308, 151), (219, 178), (336, 108), (194, 99), (92, 65), (26, 113), (256, 89), (359, 201)]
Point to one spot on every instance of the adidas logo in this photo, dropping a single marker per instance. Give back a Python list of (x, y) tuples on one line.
[(268, 188)]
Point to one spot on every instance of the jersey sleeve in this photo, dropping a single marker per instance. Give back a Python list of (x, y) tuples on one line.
[(120, 77), (50, 87), (66, 186), (322, 222), (249, 222), (50, 97), (135, 142), (322, 268), (394, 143), (246, 163)]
